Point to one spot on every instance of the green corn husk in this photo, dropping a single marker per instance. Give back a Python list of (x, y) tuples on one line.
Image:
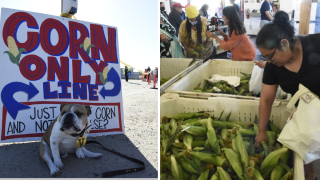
[(178, 145), (204, 175), (188, 116), (187, 166), (176, 168), (173, 125), (190, 121), (288, 175), (241, 150), (187, 141), (234, 161), (271, 138), (257, 175), (194, 177), (215, 176), (224, 134), (195, 130), (198, 143), (211, 159), (219, 124), (247, 133), (266, 148), (200, 122), (223, 175), (212, 138), (277, 173), (274, 128), (271, 161)]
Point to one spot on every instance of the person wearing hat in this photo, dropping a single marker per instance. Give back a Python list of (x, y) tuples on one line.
[(237, 41), (193, 36), (175, 16)]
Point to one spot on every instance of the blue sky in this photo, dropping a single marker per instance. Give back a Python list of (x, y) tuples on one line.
[(137, 23)]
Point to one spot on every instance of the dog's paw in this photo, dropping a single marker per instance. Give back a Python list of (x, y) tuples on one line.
[(96, 155), (80, 154), (58, 163), (54, 170), (64, 155)]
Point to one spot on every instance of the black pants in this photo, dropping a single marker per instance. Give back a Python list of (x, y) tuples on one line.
[(127, 78)]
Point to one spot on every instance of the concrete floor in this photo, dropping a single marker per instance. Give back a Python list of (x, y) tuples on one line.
[(253, 38)]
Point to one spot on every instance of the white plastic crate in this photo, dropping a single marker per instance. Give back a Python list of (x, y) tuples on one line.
[(241, 110), (217, 66), (174, 69)]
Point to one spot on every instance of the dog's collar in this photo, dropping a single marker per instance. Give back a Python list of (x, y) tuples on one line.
[(82, 132)]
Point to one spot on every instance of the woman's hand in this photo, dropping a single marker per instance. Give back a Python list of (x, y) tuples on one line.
[(261, 64), (261, 136), (164, 38), (211, 34)]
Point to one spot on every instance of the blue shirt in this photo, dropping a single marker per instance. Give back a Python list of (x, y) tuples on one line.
[(265, 7)]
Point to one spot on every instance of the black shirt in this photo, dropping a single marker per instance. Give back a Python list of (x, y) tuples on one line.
[(175, 20), (309, 72)]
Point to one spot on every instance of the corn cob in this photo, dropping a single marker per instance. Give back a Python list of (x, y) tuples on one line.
[(212, 138), (212, 159), (257, 175), (274, 128), (187, 166), (271, 161), (198, 143), (187, 140), (189, 121), (223, 175), (288, 175), (234, 161), (195, 130), (175, 168), (219, 124), (224, 134), (200, 122), (266, 148), (271, 138), (215, 176), (105, 72), (247, 132), (276, 173), (13, 48), (241, 150), (173, 125), (204, 175)]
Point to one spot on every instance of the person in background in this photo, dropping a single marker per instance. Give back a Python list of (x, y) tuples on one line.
[(237, 42), (266, 13), (236, 6), (175, 18), (204, 11), (126, 73), (169, 43), (163, 10), (155, 72), (193, 36), (183, 15), (291, 60)]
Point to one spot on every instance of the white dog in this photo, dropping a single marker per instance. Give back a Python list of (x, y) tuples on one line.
[(61, 136)]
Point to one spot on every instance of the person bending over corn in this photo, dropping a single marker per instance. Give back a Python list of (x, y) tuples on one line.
[(291, 60)]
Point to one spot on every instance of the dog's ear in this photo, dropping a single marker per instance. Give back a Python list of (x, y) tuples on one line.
[(61, 106), (88, 109)]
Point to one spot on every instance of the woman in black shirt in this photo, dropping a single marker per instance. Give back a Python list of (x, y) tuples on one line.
[(290, 60)]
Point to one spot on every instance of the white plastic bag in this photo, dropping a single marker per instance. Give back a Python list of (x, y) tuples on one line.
[(255, 83), (232, 80), (302, 132)]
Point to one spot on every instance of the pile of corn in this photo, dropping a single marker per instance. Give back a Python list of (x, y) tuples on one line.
[(163, 80), (196, 146), (225, 88)]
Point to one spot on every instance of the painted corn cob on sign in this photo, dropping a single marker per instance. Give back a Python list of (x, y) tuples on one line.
[(49, 60)]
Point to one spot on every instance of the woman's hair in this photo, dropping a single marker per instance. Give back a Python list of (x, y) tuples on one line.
[(235, 24), (204, 6), (199, 28), (270, 35)]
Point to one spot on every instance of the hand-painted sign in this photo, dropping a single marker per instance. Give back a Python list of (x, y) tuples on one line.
[(49, 60)]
